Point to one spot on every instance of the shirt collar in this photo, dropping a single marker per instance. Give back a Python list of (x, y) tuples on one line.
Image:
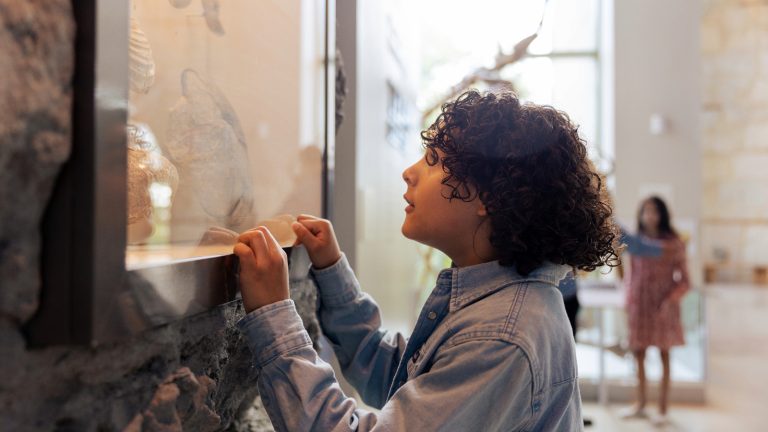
[(469, 284)]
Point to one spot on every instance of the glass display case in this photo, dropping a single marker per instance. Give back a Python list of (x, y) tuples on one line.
[(225, 123), (194, 120)]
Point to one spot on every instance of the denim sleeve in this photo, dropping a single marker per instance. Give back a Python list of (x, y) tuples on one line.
[(639, 246), (350, 319), (465, 389)]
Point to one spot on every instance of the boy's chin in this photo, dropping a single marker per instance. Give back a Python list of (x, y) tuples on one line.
[(412, 234), (405, 232), (408, 232)]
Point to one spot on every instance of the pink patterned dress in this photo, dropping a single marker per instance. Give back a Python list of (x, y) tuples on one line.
[(654, 320)]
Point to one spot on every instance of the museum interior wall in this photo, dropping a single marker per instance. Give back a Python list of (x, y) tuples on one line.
[(734, 130), (656, 75)]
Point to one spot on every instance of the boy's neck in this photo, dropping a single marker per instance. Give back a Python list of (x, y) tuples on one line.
[(473, 254), (471, 248)]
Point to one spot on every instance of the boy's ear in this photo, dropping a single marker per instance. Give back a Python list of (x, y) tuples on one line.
[(481, 210)]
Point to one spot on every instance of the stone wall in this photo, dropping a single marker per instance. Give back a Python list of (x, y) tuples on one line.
[(194, 374), (734, 44)]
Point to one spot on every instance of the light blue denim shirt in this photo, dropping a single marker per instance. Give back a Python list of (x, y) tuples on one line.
[(491, 351)]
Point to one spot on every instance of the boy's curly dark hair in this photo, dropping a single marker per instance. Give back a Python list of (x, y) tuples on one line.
[(528, 165)]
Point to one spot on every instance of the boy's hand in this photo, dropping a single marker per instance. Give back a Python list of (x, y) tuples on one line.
[(317, 236), (263, 269)]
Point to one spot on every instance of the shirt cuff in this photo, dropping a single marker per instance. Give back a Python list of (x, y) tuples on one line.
[(273, 330), (336, 284)]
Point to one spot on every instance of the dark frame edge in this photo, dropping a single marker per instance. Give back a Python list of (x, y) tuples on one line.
[(329, 153), (66, 288)]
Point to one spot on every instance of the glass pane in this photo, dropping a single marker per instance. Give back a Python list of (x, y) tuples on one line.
[(225, 123), (568, 26), (459, 37)]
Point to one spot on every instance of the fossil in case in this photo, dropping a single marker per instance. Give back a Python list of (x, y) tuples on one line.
[(210, 13), (140, 62), (145, 166), (207, 145), (179, 4)]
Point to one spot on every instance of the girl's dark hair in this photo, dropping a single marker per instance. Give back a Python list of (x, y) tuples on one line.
[(530, 168), (665, 220)]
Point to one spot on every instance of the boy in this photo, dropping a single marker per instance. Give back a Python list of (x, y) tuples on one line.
[(507, 192)]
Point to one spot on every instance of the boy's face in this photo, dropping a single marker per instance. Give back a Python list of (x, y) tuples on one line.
[(430, 218)]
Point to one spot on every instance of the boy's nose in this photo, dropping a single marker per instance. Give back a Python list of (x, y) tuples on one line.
[(408, 176)]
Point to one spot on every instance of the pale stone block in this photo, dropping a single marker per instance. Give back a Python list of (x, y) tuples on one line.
[(740, 200), (716, 167), (710, 119), (756, 136), (751, 168), (758, 97), (756, 244), (710, 201), (735, 71), (718, 240), (712, 34), (723, 140)]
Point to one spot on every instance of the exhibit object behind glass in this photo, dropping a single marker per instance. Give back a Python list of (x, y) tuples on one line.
[(233, 98)]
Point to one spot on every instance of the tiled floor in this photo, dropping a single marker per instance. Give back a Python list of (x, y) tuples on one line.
[(737, 383)]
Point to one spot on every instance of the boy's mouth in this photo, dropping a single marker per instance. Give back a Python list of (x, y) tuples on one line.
[(410, 206)]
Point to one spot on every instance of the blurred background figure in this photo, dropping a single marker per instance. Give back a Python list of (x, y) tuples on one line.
[(656, 286)]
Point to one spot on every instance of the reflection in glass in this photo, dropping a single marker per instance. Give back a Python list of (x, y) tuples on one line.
[(227, 99)]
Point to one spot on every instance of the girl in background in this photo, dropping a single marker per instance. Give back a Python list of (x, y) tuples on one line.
[(655, 287)]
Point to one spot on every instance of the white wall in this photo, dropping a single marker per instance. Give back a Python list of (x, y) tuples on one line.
[(386, 262), (656, 71)]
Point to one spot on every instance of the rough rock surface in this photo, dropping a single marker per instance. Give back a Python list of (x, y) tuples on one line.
[(193, 374), (36, 65)]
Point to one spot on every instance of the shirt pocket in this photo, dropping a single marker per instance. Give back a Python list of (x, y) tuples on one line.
[(414, 363)]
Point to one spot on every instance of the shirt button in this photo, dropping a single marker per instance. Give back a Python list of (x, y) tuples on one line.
[(432, 315), (416, 356)]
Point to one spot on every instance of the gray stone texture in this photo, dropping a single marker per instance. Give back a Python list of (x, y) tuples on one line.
[(194, 374), (36, 65)]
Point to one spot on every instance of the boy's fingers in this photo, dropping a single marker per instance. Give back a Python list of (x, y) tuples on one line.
[(272, 244), (245, 236), (306, 217), (315, 226), (243, 251), (258, 244), (303, 235)]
